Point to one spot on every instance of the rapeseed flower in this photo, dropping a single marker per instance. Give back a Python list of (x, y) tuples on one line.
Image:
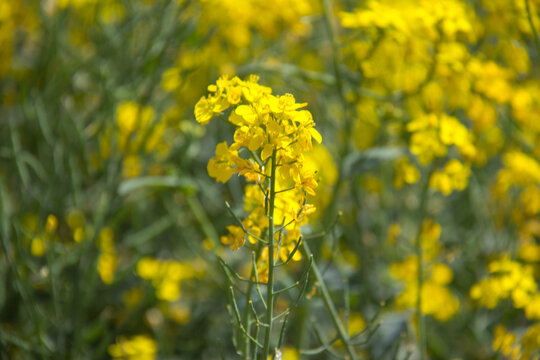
[(271, 132), (138, 347)]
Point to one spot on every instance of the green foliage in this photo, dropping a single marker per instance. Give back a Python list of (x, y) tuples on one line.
[(425, 241)]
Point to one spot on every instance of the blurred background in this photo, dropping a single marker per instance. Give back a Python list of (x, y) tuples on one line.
[(110, 225)]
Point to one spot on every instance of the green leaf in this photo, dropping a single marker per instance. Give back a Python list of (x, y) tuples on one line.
[(157, 182), (360, 161)]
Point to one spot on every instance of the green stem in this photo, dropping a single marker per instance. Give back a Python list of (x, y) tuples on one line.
[(247, 309), (270, 285), (530, 18), (246, 321), (342, 333), (421, 319), (328, 21), (348, 115), (205, 223), (422, 340)]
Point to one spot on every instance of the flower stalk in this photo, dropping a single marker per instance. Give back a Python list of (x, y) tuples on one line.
[(270, 285), (274, 132)]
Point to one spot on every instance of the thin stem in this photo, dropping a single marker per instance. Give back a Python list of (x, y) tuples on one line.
[(270, 286), (343, 335), (533, 28), (291, 255), (255, 348), (348, 116), (244, 331), (256, 272), (422, 339), (247, 309), (336, 57), (200, 215), (239, 222), (282, 333)]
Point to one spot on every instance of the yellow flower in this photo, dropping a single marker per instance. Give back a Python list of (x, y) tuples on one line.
[(271, 132), (108, 259), (78, 234), (405, 173), (236, 237), (504, 341), (131, 166), (453, 177), (166, 276), (509, 279), (127, 114), (107, 262), (168, 290), (38, 247), (138, 347), (203, 111), (51, 224), (147, 268), (170, 80), (220, 167), (394, 231), (441, 274)]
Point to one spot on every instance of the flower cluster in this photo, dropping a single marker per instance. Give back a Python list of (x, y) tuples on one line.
[(271, 136), (136, 136), (405, 172), (108, 259), (166, 276), (39, 239), (520, 178), (509, 279), (138, 347), (507, 343), (19, 28), (436, 299), (454, 176), (432, 134)]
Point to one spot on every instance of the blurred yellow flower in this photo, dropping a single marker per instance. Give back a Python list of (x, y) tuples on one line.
[(38, 246), (138, 347)]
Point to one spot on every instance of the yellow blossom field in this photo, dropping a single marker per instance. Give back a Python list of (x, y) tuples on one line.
[(269, 180)]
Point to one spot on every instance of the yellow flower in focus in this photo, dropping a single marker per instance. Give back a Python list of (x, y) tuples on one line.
[(271, 131), (219, 167)]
